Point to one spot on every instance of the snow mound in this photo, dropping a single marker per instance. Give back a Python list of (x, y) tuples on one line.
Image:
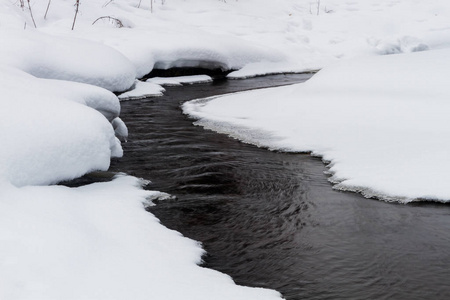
[(49, 137), (66, 58)]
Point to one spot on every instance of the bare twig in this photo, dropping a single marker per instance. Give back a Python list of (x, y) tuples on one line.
[(151, 5), (107, 3), (318, 6), (31, 13), (115, 20), (46, 11), (77, 5)]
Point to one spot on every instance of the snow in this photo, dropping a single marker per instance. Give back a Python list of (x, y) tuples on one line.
[(47, 136), (120, 129), (180, 80), (142, 90), (153, 87), (98, 242), (380, 121), (65, 58)]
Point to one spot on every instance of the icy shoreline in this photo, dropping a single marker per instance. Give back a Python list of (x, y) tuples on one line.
[(382, 132)]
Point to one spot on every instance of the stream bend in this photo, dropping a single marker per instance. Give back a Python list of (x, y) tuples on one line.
[(271, 219)]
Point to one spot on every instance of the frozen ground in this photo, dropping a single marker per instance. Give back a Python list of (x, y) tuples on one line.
[(60, 119)]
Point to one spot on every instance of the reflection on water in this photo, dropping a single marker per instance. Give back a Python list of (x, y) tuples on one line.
[(271, 219)]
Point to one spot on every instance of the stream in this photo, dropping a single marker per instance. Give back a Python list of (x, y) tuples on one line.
[(271, 219)]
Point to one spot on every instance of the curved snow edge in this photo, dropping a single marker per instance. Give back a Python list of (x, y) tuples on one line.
[(269, 140)]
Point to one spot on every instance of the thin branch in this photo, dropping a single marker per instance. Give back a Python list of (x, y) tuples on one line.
[(107, 3), (31, 13), (77, 5), (46, 11), (117, 21)]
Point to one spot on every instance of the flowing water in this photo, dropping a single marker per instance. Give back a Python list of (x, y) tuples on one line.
[(271, 219)]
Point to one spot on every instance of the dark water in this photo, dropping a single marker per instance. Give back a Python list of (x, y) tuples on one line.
[(272, 219)]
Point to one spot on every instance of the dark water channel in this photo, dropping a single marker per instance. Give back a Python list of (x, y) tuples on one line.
[(271, 219)]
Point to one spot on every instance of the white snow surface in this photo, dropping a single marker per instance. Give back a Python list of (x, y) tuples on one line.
[(153, 87), (50, 132), (142, 89), (66, 58), (98, 242), (180, 80), (381, 122), (257, 36)]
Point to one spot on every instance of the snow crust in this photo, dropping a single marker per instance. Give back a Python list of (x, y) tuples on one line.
[(381, 123)]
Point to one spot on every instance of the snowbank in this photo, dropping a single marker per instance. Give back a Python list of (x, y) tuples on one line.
[(381, 122), (47, 136), (97, 242), (66, 58)]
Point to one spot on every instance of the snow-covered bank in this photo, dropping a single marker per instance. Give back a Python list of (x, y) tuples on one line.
[(381, 122), (54, 130), (97, 242)]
